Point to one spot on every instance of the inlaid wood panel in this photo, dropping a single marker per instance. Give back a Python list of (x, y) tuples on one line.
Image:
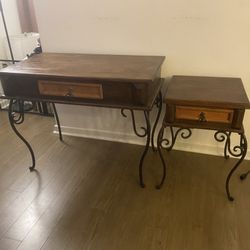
[(204, 114), (71, 89)]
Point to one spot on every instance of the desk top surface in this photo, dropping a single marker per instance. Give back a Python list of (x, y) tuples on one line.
[(208, 91), (110, 67)]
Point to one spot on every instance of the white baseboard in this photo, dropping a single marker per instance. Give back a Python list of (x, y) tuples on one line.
[(212, 149), (101, 135)]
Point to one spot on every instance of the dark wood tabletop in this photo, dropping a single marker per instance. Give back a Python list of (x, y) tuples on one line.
[(207, 91), (118, 81), (90, 66)]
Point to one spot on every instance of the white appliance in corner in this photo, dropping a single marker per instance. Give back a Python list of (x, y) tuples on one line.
[(22, 45)]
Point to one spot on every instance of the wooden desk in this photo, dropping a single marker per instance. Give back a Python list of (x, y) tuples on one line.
[(111, 81), (213, 103)]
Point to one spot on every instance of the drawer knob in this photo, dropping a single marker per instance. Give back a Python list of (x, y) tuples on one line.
[(202, 117)]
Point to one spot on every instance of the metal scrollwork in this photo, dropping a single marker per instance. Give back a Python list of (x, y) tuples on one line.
[(236, 151), (185, 133), (16, 117), (163, 143), (244, 175), (221, 136), (144, 130)]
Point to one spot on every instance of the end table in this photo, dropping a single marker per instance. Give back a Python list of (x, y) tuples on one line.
[(212, 103)]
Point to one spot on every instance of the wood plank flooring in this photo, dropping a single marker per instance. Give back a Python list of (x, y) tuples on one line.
[(85, 195)]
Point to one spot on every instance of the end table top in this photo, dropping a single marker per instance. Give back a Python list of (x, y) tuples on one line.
[(208, 91), (90, 66)]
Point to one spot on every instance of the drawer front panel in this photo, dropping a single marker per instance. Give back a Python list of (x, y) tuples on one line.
[(204, 114), (71, 89)]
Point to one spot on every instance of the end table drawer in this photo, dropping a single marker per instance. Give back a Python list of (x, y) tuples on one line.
[(70, 89), (204, 114)]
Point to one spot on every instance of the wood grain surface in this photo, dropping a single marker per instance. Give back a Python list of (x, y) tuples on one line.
[(124, 81), (207, 91), (91, 66)]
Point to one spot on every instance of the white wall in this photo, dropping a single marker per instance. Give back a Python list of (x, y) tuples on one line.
[(13, 26), (198, 38), (12, 21)]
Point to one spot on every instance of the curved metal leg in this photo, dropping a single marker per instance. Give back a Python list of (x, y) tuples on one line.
[(158, 104), (57, 121), (148, 133), (244, 175), (227, 144), (159, 145), (243, 151), (18, 118), (236, 151), (174, 136), (145, 132)]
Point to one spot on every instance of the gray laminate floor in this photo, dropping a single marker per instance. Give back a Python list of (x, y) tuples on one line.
[(85, 195)]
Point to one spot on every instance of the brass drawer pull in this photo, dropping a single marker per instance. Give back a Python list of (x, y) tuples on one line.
[(202, 117)]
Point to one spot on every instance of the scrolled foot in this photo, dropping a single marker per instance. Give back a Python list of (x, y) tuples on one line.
[(154, 149), (238, 151), (32, 168), (243, 176), (158, 187), (142, 185)]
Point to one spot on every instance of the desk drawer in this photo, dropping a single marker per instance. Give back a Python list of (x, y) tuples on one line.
[(204, 114), (104, 93), (70, 89)]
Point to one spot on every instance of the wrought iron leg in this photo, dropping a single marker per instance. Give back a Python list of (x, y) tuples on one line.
[(185, 134), (165, 144), (18, 118), (148, 133), (158, 104), (244, 176), (243, 151), (57, 121), (145, 132), (159, 145), (227, 144), (236, 151)]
